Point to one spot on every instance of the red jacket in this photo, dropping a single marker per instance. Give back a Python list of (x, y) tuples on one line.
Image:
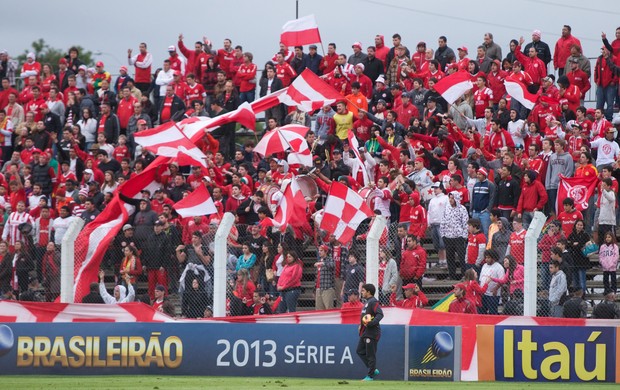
[(493, 141), (573, 95), (246, 74), (413, 301), (291, 276), (580, 79), (562, 50), (413, 263), (193, 63), (535, 67), (533, 196), (475, 292), (125, 110), (462, 305)]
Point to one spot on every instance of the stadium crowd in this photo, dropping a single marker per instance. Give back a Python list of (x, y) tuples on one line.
[(469, 175)]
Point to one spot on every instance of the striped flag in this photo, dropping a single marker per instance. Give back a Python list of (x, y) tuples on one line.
[(95, 239), (167, 140), (299, 32), (454, 86), (197, 203), (308, 92), (519, 92), (194, 128)]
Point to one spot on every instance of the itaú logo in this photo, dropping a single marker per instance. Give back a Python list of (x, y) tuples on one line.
[(555, 353)]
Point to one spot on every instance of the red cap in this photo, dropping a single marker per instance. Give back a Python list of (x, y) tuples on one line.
[(141, 122), (483, 171), (409, 286), (324, 248), (420, 160), (99, 63), (36, 150), (43, 106), (62, 61), (177, 72), (61, 192), (357, 44), (548, 99), (463, 48), (563, 101)]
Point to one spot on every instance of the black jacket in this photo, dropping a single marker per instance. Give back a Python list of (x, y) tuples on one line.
[(544, 53), (111, 128), (158, 251), (65, 79), (276, 85), (53, 123), (372, 68), (371, 330)]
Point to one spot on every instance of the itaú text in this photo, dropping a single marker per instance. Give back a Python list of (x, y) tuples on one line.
[(120, 351)]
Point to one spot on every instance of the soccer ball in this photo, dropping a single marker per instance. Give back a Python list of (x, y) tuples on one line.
[(367, 318)]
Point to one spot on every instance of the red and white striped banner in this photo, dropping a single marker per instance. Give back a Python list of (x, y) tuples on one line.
[(308, 92), (299, 32)]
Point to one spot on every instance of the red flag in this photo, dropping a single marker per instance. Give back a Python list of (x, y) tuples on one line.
[(519, 92), (292, 207), (299, 32), (580, 189), (167, 140), (244, 115), (95, 239), (454, 86), (344, 211), (308, 92), (197, 203)]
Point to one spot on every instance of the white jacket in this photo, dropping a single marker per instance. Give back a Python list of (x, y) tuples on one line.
[(110, 300), (163, 79), (436, 208)]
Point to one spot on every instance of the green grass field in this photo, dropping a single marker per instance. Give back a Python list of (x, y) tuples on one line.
[(186, 382)]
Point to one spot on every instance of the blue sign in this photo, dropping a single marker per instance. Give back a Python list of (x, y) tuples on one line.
[(563, 353), (434, 353), (317, 351)]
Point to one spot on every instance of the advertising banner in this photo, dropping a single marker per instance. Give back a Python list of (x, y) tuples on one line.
[(548, 353), (434, 353), (317, 351)]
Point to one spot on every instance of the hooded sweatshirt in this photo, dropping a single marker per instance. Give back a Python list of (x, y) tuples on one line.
[(501, 238), (559, 164), (454, 221), (381, 51), (124, 297)]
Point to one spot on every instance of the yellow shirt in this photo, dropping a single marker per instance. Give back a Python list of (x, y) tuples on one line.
[(343, 124)]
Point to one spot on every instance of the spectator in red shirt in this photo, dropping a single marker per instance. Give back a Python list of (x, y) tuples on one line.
[(414, 297), (461, 304)]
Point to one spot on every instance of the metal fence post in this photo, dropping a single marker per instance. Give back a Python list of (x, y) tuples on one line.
[(530, 283), (372, 250), (67, 260), (219, 265)]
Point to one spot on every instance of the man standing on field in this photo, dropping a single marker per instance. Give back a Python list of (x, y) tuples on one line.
[(369, 331)]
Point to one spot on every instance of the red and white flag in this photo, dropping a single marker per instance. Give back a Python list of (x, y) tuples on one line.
[(292, 208), (519, 92), (267, 101), (95, 239), (580, 189), (194, 129), (93, 242), (343, 212), (167, 140), (197, 203), (299, 32), (308, 92), (454, 86)]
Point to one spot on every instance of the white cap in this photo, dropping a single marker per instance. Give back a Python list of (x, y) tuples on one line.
[(380, 79), (172, 48), (31, 55)]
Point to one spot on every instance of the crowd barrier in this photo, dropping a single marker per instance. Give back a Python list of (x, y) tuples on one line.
[(314, 344)]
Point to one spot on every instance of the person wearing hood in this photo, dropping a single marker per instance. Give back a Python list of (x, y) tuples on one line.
[(491, 270), (121, 294), (381, 51), (143, 220), (501, 237), (533, 198), (453, 229)]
